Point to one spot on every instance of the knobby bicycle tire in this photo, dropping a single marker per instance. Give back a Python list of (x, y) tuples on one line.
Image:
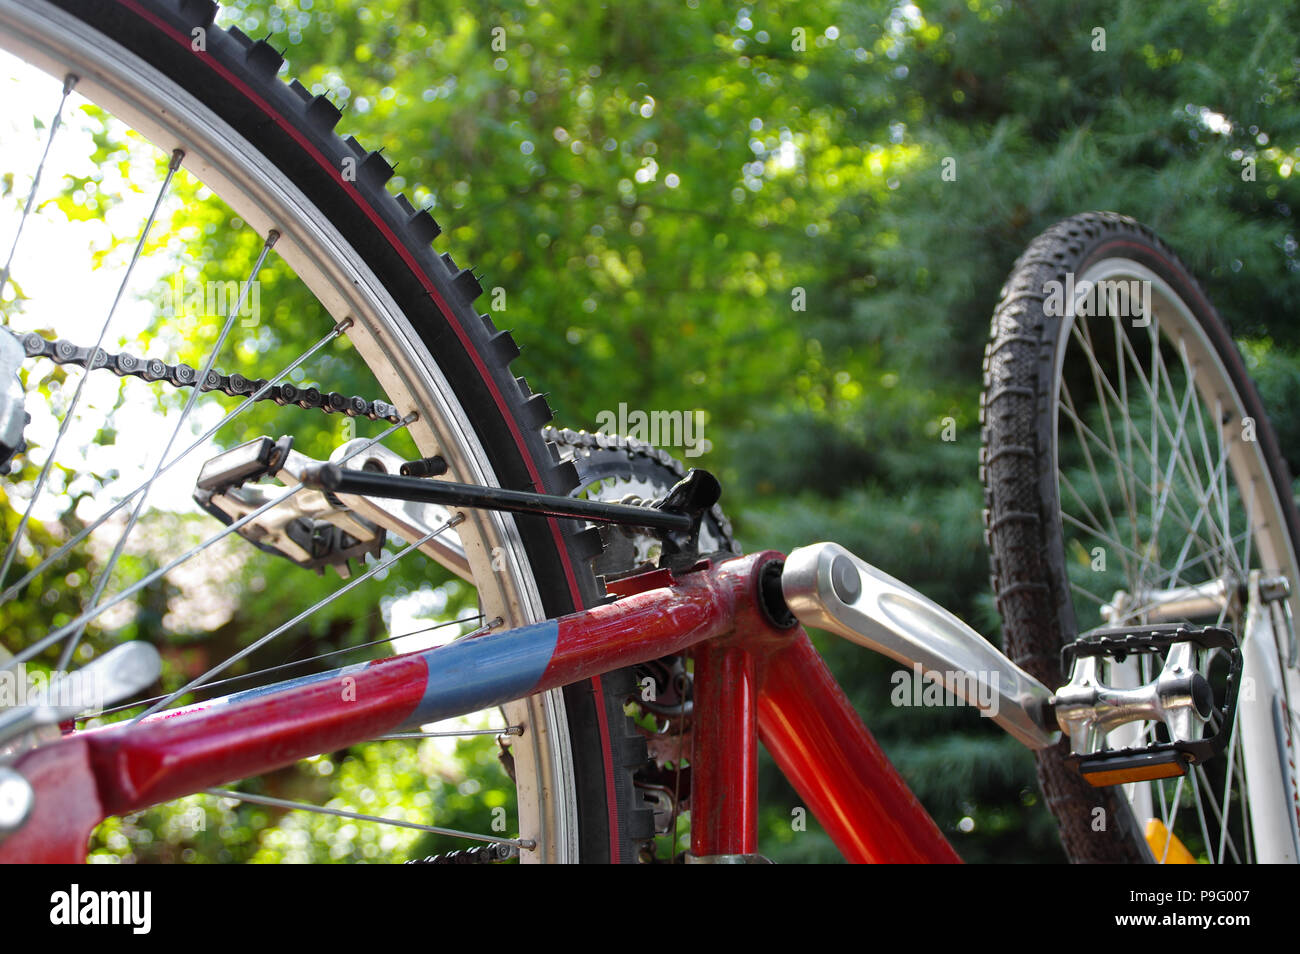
[(293, 135)]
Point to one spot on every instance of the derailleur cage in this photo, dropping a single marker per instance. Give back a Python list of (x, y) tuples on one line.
[(312, 530), (1180, 698)]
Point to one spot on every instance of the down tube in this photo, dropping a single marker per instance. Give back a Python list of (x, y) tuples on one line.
[(807, 724)]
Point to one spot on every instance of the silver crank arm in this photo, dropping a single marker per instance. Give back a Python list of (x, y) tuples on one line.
[(826, 586)]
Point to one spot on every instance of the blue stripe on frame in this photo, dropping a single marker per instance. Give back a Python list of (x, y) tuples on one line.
[(483, 671)]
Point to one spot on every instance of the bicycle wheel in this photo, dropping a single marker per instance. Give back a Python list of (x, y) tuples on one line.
[(268, 149), (1132, 477)]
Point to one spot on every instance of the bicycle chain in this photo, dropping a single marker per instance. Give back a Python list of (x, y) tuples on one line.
[(183, 376), (478, 855)]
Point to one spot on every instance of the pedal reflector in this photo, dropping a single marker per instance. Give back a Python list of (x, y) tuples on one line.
[(1165, 847), (1104, 768)]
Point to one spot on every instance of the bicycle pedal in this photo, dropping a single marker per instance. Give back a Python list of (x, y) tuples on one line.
[(1180, 698)]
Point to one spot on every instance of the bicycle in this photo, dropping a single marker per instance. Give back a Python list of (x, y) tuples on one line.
[(555, 654)]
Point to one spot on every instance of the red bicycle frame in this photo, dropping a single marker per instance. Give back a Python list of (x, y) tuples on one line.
[(754, 679)]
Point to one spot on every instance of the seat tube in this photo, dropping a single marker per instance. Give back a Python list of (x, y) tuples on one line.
[(724, 775)]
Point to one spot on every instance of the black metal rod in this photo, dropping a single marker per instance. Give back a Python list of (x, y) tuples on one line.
[(364, 483)]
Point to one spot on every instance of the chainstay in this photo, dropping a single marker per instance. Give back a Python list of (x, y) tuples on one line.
[(126, 365)]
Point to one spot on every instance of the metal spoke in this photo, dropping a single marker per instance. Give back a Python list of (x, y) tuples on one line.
[(1180, 564), (1206, 551), (253, 647), (1122, 377), (1123, 345), (1079, 427), (1181, 438), (1218, 815), (1169, 825), (1099, 534), (68, 83), (12, 550), (1223, 491), (491, 624), (1082, 334), (1138, 482), (1103, 383), (1088, 593), (1202, 492), (48, 640), (1249, 534), (525, 844), (1165, 490), (1227, 785), (1247, 822), (1200, 812), (1096, 531), (1179, 513), (310, 659), (463, 733), (1153, 389), (1210, 468), (1095, 528), (1245, 534), (1087, 433), (66, 658)]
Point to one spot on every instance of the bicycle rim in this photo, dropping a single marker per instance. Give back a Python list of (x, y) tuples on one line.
[(470, 410)]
